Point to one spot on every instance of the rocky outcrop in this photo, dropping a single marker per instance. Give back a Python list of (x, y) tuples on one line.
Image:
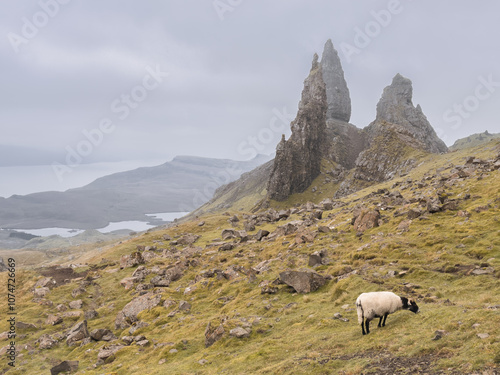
[(298, 159), (399, 130), (396, 110), (337, 93)]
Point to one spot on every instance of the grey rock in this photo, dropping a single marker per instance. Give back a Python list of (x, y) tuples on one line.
[(303, 281), (298, 159), (212, 334), (239, 332), (337, 93), (102, 334), (132, 260), (129, 313), (46, 342), (77, 333), (75, 305), (65, 366), (396, 107), (107, 354)]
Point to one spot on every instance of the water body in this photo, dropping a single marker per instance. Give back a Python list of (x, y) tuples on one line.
[(136, 226)]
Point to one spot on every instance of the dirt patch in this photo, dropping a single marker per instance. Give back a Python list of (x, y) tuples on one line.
[(384, 363), (61, 275)]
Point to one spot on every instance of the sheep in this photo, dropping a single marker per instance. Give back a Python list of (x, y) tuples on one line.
[(379, 305)]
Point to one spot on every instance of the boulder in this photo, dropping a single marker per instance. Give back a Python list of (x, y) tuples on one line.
[(132, 260), (128, 282), (107, 354), (261, 234), (188, 239), (53, 320), (41, 292), (228, 234), (134, 307), (75, 305), (317, 258), (77, 333), (303, 281), (46, 342), (366, 219), (212, 334), (239, 333), (102, 334), (65, 366)]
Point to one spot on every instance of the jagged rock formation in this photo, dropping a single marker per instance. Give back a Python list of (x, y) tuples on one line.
[(322, 136), (337, 93), (298, 159), (398, 130), (396, 109)]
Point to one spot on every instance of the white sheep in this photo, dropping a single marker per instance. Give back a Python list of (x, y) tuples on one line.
[(379, 305)]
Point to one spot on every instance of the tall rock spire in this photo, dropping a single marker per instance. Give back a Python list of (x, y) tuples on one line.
[(337, 93), (298, 159)]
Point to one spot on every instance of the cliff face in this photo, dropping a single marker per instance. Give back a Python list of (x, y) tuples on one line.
[(298, 159)]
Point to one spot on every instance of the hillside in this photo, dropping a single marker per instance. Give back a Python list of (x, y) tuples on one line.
[(473, 140), (208, 296), (177, 186)]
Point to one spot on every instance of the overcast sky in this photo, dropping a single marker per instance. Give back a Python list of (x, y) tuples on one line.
[(159, 78)]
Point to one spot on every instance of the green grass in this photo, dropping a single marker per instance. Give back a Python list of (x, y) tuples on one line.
[(293, 333)]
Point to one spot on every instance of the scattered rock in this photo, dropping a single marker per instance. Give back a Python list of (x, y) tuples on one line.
[(303, 281), (53, 320), (102, 334), (188, 239), (439, 334), (46, 342), (129, 313), (41, 292), (226, 247), (184, 306), (77, 333), (213, 334), (132, 260), (65, 366), (366, 219), (239, 332), (25, 326), (317, 258), (483, 336), (75, 305), (261, 234), (107, 354)]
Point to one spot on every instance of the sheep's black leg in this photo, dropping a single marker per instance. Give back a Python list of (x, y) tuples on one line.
[(385, 318), (367, 327), (363, 328), (380, 321)]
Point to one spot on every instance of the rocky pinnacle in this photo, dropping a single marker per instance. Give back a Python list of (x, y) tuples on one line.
[(396, 107), (337, 93), (298, 159)]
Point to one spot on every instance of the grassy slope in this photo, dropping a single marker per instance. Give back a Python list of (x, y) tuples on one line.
[(295, 333)]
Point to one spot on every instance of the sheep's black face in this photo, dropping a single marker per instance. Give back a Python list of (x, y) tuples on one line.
[(413, 307)]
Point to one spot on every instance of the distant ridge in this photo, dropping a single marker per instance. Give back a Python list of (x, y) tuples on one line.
[(473, 140), (180, 185)]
